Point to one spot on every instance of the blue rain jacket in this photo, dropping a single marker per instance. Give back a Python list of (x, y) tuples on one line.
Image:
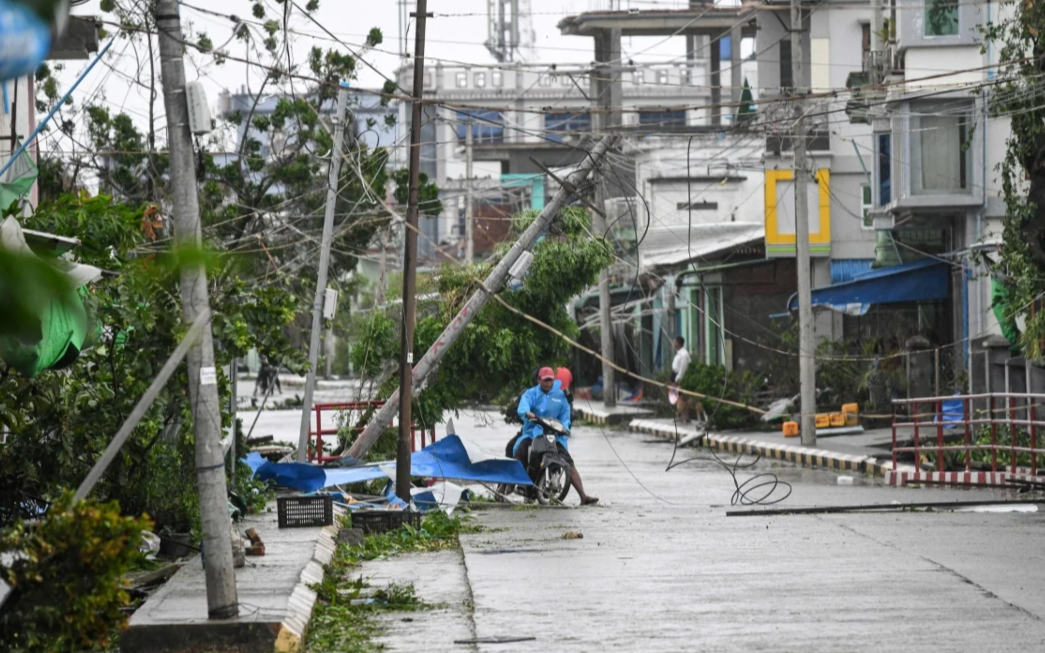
[(552, 404)]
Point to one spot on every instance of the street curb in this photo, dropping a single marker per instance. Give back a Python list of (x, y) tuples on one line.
[(604, 418), (913, 476), (290, 637), (805, 456)]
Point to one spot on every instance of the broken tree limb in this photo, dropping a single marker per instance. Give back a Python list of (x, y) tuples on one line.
[(492, 284)]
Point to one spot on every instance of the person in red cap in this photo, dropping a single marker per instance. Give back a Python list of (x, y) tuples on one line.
[(547, 399)]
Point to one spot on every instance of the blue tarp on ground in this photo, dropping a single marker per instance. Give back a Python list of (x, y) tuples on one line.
[(918, 281), (450, 457)]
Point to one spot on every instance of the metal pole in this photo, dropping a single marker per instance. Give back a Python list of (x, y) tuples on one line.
[(321, 277), (406, 352), (469, 220), (203, 388), (382, 281), (806, 346), (609, 381), (475, 303), (233, 405)]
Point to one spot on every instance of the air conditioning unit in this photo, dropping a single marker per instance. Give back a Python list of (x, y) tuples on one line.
[(199, 110), (883, 220)]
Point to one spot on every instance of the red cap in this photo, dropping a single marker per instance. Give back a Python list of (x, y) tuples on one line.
[(546, 373), (564, 376)]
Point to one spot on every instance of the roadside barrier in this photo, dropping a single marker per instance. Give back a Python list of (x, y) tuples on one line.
[(346, 415), (953, 429)]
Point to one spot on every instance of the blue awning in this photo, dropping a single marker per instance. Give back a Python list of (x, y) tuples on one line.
[(918, 281)]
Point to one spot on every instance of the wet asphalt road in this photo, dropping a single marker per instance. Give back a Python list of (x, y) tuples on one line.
[(661, 567)]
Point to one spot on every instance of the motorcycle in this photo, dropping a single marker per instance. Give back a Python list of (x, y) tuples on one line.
[(547, 467)]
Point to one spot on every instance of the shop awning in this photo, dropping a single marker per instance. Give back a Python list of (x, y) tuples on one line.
[(918, 281)]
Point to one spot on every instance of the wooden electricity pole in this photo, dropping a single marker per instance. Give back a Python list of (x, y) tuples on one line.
[(406, 355)]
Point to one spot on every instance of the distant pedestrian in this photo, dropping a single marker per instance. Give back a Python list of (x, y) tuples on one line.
[(678, 370), (268, 376)]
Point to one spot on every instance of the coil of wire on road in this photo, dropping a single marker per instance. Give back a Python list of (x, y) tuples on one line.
[(743, 492)]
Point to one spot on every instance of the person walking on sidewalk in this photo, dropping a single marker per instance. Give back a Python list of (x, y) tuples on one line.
[(678, 370)]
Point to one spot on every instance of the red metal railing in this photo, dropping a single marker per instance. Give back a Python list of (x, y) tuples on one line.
[(351, 412), (998, 411)]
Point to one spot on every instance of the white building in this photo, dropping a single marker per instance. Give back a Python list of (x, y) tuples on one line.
[(935, 154), (525, 118)]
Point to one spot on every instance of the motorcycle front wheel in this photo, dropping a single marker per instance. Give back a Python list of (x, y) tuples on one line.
[(544, 484)]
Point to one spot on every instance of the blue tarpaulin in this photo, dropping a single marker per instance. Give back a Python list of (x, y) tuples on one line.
[(952, 413), (918, 281), (450, 457)]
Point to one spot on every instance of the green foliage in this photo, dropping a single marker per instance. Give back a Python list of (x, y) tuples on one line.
[(67, 576), (428, 202), (60, 422), (343, 621), (716, 382), (260, 200), (438, 531), (494, 357), (376, 344), (846, 373), (1020, 41), (954, 456)]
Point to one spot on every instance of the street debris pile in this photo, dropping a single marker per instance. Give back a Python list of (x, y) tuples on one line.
[(451, 458)]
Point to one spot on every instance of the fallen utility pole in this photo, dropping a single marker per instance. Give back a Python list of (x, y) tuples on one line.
[(406, 349), (321, 277), (203, 382), (475, 303), (879, 507), (806, 347)]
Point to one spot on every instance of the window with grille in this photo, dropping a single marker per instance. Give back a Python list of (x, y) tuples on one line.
[(941, 18), (663, 118), (941, 156), (487, 126), (559, 123)]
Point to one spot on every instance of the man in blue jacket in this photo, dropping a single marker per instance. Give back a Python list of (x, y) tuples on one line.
[(547, 399)]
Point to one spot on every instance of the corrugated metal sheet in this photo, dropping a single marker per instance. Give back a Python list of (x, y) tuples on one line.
[(666, 247), (843, 270)]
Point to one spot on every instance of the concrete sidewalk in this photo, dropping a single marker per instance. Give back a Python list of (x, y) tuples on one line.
[(867, 452), (274, 592)]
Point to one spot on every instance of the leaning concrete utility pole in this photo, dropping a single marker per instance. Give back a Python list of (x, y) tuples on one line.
[(203, 387), (475, 303), (406, 351), (806, 346), (333, 178)]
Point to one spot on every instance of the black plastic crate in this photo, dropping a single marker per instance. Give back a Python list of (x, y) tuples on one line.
[(382, 521), (297, 512)]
